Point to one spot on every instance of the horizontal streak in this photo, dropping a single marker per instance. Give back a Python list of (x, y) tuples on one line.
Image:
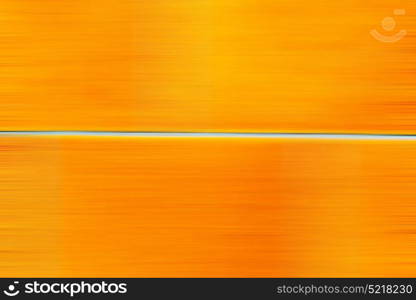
[(261, 135)]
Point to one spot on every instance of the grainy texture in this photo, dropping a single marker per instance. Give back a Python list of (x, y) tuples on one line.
[(206, 65), (172, 207), (206, 207)]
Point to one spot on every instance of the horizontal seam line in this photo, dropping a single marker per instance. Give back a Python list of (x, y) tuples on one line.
[(194, 134)]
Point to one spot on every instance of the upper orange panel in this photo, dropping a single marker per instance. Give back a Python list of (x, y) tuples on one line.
[(186, 65)]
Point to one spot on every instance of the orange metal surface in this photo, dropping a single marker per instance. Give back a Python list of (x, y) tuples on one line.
[(189, 65), (175, 207), (206, 207)]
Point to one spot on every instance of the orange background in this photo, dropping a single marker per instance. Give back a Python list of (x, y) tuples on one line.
[(206, 207), (172, 207), (214, 65)]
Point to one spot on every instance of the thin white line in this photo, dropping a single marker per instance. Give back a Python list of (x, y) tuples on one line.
[(317, 136)]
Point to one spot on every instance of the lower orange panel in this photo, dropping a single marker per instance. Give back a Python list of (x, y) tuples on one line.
[(206, 207)]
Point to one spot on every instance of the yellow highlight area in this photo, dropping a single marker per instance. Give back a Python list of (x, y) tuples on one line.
[(172, 207), (186, 65)]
